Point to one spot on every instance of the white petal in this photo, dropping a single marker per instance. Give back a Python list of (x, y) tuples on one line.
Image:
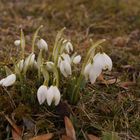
[(66, 57), (17, 42), (87, 70), (29, 61), (67, 67), (35, 65), (41, 94), (57, 95), (77, 59), (94, 73), (98, 60), (50, 95), (103, 60), (62, 69), (32, 59), (42, 44), (2, 80), (70, 46), (20, 64), (50, 65), (9, 80), (108, 62)]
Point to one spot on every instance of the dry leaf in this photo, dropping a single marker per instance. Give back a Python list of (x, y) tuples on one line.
[(127, 84), (43, 137), (92, 137), (69, 128), (64, 137), (16, 131), (107, 82), (110, 81), (15, 135), (101, 78)]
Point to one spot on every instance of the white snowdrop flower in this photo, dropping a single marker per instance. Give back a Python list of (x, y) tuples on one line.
[(87, 70), (2, 80), (53, 94), (65, 68), (64, 64), (20, 65), (94, 73), (77, 59), (66, 57), (68, 47), (50, 65), (9, 80), (91, 72), (17, 42), (41, 94), (35, 65), (101, 61), (29, 61), (42, 44)]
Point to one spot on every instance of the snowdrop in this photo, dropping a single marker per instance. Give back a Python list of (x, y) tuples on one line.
[(30, 60), (101, 61), (50, 65), (20, 65), (35, 65), (42, 44), (41, 94), (87, 70), (8, 81), (17, 42), (64, 63), (2, 80), (77, 59), (53, 94), (68, 46), (66, 57)]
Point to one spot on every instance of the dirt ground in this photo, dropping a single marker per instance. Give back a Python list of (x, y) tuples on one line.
[(113, 108)]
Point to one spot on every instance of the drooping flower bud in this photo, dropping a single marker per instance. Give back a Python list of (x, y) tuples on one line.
[(77, 59), (41, 94), (101, 61), (53, 94), (17, 42), (9, 80), (42, 44)]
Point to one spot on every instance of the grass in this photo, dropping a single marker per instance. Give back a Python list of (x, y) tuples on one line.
[(101, 108)]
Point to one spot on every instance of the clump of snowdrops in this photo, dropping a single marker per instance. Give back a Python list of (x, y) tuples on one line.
[(57, 67)]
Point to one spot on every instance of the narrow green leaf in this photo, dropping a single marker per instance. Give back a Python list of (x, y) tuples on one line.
[(22, 39), (45, 74), (35, 37)]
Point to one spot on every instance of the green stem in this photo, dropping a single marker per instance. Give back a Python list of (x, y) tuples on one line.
[(22, 39), (45, 73), (34, 38), (75, 92), (57, 44), (56, 73), (39, 63)]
